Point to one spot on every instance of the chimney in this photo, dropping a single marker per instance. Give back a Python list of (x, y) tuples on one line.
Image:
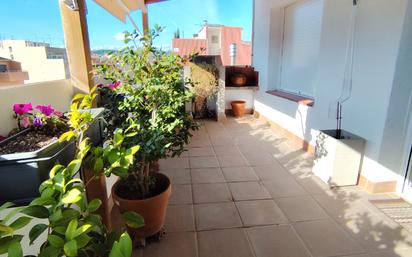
[(232, 54)]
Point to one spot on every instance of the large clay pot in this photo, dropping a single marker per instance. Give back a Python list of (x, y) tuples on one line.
[(152, 209), (238, 79), (238, 108)]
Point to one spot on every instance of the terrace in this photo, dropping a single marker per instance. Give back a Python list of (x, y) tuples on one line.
[(245, 190), (246, 187)]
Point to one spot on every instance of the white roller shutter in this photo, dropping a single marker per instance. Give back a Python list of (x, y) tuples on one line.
[(302, 32)]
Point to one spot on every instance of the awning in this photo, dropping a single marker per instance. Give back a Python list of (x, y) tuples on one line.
[(122, 8)]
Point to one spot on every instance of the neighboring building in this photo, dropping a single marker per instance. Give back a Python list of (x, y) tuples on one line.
[(214, 40), (11, 72), (40, 60)]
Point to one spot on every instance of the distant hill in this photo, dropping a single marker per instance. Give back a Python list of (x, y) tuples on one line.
[(102, 51)]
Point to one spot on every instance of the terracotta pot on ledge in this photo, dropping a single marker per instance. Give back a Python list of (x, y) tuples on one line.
[(238, 108), (238, 79)]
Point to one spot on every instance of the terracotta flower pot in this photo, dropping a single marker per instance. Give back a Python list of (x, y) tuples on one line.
[(238, 108), (238, 79), (152, 209)]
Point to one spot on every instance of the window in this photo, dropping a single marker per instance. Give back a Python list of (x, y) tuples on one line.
[(3, 68), (215, 39), (301, 40)]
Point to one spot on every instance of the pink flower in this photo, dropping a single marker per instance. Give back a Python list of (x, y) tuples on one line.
[(114, 85), (21, 109), (58, 114), (25, 122), (46, 110)]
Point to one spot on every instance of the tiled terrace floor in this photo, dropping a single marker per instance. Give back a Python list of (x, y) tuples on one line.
[(242, 190)]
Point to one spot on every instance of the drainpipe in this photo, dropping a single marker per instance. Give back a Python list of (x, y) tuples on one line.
[(346, 91), (232, 53)]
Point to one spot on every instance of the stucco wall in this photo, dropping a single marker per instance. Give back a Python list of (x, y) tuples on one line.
[(58, 93), (378, 33)]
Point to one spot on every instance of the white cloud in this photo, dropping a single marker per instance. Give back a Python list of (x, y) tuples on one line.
[(119, 36)]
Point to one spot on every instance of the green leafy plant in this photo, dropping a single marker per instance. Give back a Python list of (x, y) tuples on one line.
[(68, 220), (153, 96)]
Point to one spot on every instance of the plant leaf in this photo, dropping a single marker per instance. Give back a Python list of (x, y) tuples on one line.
[(15, 250), (6, 205), (123, 247), (36, 211), (6, 229), (83, 229), (36, 231), (133, 219), (94, 205), (20, 222), (5, 242), (70, 248), (71, 229), (55, 241), (72, 196)]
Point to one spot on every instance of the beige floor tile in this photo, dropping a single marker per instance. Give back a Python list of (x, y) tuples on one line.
[(203, 162), (327, 238), (284, 188), (216, 216), (222, 150), (224, 243), (271, 241), (259, 158), (312, 184), (174, 163), (248, 191), (377, 233), (393, 253), (237, 174), (272, 172), (211, 193), (199, 142), (219, 141), (342, 206), (260, 212), (208, 175), (177, 244), (301, 208), (201, 151), (181, 194), (232, 161), (180, 218), (177, 176)]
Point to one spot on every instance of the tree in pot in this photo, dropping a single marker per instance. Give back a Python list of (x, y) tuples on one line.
[(153, 99)]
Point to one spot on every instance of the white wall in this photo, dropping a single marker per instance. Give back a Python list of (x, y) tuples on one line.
[(378, 33), (58, 93)]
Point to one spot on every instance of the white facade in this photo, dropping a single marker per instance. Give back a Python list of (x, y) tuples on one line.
[(42, 62), (379, 108)]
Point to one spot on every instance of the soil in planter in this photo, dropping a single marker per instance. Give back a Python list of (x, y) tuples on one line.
[(158, 184), (28, 142)]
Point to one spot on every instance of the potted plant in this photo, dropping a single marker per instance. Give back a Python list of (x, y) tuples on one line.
[(66, 223), (153, 98), (32, 149), (204, 85)]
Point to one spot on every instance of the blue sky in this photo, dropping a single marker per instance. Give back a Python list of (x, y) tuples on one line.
[(39, 20)]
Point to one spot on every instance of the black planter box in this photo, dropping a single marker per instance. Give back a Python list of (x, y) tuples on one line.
[(22, 173)]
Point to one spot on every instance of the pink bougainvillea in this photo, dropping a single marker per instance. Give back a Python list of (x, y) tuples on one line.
[(114, 85), (47, 110), (21, 109)]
